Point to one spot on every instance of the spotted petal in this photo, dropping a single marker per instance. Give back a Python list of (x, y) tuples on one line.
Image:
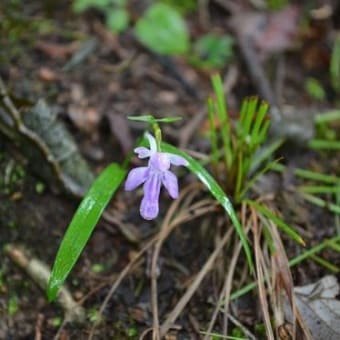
[(177, 160), (136, 177), (170, 182), (149, 207)]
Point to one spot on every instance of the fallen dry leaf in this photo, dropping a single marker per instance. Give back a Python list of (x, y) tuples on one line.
[(57, 51), (319, 308), (120, 129), (47, 75), (270, 33), (86, 119)]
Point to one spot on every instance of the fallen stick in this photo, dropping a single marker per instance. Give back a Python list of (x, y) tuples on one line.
[(40, 274)]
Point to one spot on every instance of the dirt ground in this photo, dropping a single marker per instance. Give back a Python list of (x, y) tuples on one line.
[(116, 77)]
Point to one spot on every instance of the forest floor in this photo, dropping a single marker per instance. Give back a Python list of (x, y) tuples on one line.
[(93, 80)]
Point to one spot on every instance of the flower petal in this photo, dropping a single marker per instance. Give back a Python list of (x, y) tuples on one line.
[(177, 160), (149, 207), (152, 142), (142, 152), (136, 177), (170, 182), (159, 161)]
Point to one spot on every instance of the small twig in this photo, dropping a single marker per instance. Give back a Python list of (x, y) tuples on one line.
[(255, 69), (40, 273), (170, 68), (279, 79), (191, 128), (203, 13), (244, 329), (282, 278), (38, 326), (128, 230), (168, 225), (120, 278), (260, 275), (195, 284)]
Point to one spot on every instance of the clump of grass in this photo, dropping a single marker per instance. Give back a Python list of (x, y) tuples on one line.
[(238, 158)]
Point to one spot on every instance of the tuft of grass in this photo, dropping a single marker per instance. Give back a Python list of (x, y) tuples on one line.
[(238, 142), (333, 243)]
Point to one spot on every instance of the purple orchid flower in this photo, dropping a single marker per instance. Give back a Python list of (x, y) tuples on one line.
[(153, 176)]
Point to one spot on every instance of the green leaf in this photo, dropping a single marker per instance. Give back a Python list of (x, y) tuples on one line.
[(182, 6), (117, 20), (213, 133), (213, 51), (151, 119), (218, 194), (320, 144), (82, 225), (335, 64), (315, 89), (82, 5), (163, 30), (222, 114)]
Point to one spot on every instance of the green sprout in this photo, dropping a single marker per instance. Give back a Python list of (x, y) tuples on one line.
[(237, 142)]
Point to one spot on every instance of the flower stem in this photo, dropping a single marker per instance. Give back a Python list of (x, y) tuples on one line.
[(158, 135)]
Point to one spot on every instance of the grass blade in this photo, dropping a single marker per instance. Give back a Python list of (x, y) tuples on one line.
[(214, 188), (223, 117), (261, 114), (321, 144), (318, 189), (308, 174), (213, 133), (278, 221), (82, 225)]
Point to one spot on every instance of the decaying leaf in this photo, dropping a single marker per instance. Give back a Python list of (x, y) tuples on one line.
[(319, 308), (269, 33), (121, 130), (46, 143)]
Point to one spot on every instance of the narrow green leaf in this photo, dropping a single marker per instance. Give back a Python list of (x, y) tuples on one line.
[(218, 193), (326, 264), (249, 115), (263, 133), (308, 174), (82, 225), (320, 144), (316, 176), (318, 189), (144, 118), (334, 66), (261, 114), (224, 118), (292, 262), (212, 132), (264, 154), (168, 119), (244, 108), (277, 220), (151, 119), (321, 203), (327, 117), (249, 184), (241, 171)]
